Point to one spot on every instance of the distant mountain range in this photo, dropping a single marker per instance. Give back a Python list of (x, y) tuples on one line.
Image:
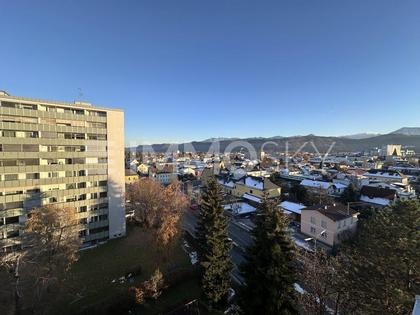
[(361, 136), (408, 131), (355, 143)]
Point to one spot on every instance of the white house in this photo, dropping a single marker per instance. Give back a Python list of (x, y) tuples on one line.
[(327, 187)]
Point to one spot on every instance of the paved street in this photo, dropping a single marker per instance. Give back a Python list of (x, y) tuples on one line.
[(239, 231)]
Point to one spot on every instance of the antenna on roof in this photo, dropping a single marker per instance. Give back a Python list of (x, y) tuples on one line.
[(80, 94)]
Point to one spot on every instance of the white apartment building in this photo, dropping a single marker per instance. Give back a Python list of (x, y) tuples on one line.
[(64, 154)]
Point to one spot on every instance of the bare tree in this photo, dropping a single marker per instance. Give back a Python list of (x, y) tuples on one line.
[(157, 208), (149, 289), (52, 241), (322, 293), (50, 244)]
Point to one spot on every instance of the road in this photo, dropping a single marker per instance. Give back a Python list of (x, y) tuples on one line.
[(239, 231), (240, 237)]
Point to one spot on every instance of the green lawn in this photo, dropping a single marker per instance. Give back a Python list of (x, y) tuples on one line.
[(89, 288)]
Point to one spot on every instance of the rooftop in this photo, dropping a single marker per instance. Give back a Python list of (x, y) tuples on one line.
[(335, 212), (76, 104)]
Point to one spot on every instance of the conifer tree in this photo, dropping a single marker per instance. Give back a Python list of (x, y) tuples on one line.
[(381, 270), (269, 272), (215, 246), (349, 194)]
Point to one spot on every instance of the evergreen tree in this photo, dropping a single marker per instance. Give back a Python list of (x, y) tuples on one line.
[(269, 271), (298, 193), (349, 194), (381, 270), (215, 246)]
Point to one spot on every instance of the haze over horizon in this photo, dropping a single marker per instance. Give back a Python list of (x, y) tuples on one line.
[(189, 70)]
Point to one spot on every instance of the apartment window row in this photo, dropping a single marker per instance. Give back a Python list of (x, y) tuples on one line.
[(102, 183), (51, 135), (11, 205), (9, 234), (90, 196), (93, 219), (20, 176), (32, 162), (9, 220), (20, 192), (51, 148), (49, 108), (98, 230), (58, 174), (69, 135), (19, 162), (19, 134), (18, 119), (95, 207)]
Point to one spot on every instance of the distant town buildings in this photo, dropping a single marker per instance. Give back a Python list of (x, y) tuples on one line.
[(373, 178)]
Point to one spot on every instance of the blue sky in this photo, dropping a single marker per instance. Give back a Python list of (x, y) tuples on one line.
[(190, 70)]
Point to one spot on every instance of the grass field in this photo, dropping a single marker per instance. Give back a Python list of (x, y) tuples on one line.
[(90, 288)]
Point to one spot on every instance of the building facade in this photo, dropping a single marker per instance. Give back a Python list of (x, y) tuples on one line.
[(64, 154), (328, 224)]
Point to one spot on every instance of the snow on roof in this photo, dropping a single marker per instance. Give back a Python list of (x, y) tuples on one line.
[(251, 197), (383, 173), (340, 186), (288, 206), (228, 183), (375, 200), (316, 184), (240, 208), (254, 183)]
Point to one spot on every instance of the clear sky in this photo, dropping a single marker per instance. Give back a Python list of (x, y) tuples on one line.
[(190, 70)]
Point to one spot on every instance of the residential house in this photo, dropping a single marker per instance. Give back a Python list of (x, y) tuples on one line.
[(164, 175), (130, 176), (386, 176), (332, 189), (328, 224), (253, 188), (378, 196)]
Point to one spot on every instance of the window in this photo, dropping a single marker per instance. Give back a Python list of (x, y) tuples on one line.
[(12, 148), (344, 223), (11, 234), (313, 221), (32, 176), (83, 221), (49, 135), (8, 177), (313, 230), (339, 224), (30, 148), (324, 235), (11, 220), (323, 224)]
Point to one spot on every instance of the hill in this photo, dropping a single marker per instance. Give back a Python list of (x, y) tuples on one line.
[(322, 144), (408, 131)]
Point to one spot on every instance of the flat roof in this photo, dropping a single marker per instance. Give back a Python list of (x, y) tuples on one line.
[(75, 104)]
